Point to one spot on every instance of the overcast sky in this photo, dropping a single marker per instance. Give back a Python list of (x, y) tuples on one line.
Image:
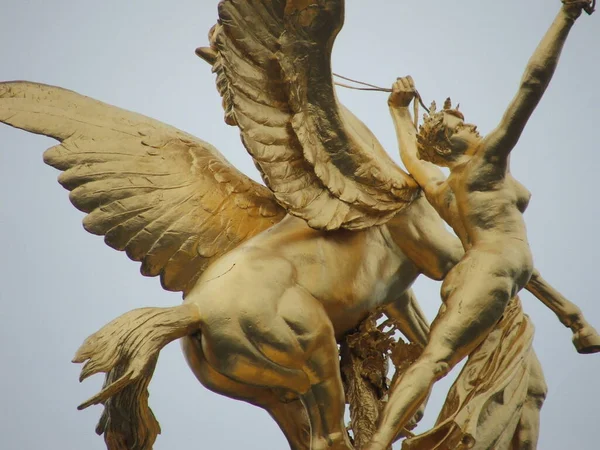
[(60, 284)]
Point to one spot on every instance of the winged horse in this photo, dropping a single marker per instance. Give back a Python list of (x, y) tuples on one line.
[(271, 276)]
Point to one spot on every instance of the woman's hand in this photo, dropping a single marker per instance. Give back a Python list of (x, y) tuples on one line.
[(573, 8), (403, 92)]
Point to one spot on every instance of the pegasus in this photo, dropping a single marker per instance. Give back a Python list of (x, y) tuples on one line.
[(272, 276)]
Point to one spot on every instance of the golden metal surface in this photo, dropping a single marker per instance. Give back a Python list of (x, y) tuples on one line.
[(320, 161), (274, 277), (483, 204)]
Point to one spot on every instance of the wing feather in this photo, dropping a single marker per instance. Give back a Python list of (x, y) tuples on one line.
[(167, 199), (273, 66)]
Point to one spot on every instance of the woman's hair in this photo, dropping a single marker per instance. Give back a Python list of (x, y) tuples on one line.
[(433, 140)]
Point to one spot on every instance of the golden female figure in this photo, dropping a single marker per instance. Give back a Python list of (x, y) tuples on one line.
[(484, 205), (272, 275)]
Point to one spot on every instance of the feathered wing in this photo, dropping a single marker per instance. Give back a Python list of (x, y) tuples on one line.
[(273, 64), (167, 198)]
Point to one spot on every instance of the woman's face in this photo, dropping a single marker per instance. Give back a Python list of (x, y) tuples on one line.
[(461, 135)]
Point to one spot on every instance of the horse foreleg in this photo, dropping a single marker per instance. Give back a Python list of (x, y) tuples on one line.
[(409, 318), (585, 337)]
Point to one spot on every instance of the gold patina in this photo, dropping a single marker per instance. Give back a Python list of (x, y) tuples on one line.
[(275, 276)]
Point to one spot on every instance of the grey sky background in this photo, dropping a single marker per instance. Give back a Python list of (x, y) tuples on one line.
[(60, 284)]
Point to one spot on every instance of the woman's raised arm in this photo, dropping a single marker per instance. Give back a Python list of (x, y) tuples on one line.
[(426, 174), (536, 78)]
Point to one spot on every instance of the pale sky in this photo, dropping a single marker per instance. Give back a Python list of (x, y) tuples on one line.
[(60, 284)]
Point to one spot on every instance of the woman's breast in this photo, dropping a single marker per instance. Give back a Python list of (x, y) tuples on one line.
[(522, 194)]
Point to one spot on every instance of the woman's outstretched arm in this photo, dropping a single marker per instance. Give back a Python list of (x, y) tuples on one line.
[(427, 175), (536, 78)]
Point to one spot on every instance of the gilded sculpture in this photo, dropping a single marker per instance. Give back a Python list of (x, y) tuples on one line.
[(175, 204), (484, 205)]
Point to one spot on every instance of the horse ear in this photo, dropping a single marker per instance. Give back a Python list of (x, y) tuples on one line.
[(207, 54)]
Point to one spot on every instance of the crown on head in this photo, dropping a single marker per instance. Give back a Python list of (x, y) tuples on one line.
[(432, 140)]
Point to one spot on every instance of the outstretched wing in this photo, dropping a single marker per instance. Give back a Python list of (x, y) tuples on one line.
[(167, 198), (273, 65)]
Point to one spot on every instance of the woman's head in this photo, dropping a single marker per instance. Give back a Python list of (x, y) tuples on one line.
[(444, 136)]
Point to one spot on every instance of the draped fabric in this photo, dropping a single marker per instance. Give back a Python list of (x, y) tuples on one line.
[(483, 407)]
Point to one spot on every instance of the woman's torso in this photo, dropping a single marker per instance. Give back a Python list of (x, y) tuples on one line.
[(484, 203)]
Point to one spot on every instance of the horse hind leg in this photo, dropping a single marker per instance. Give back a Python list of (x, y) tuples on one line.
[(288, 348), (325, 399), (127, 349), (290, 414), (326, 413)]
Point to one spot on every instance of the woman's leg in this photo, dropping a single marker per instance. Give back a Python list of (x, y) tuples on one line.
[(475, 300)]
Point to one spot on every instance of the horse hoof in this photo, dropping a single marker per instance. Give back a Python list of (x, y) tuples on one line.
[(587, 341)]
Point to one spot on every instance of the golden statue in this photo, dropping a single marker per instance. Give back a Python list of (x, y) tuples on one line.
[(274, 277), (484, 205)]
